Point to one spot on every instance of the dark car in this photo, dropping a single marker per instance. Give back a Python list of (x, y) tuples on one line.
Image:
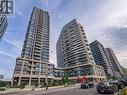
[(87, 85), (124, 82), (107, 87), (91, 84), (119, 83), (84, 85)]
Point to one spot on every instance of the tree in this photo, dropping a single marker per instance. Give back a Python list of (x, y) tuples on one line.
[(65, 79), (2, 84)]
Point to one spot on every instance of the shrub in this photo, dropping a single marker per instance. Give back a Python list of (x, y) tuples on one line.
[(22, 85), (2, 84), (36, 84), (65, 80), (2, 88)]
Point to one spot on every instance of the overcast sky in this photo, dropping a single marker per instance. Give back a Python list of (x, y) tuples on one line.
[(103, 20)]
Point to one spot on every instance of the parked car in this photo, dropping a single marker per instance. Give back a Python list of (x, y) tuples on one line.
[(119, 83), (84, 85), (91, 84), (124, 82), (107, 87), (87, 85)]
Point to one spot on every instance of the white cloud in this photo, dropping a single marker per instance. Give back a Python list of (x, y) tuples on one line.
[(7, 54), (94, 18), (52, 58), (51, 5), (15, 43), (7, 76), (122, 57), (19, 13)]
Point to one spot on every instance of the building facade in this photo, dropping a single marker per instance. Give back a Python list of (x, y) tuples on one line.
[(74, 53), (92, 72), (33, 66), (3, 25), (118, 72), (100, 57), (74, 58), (124, 71), (72, 46)]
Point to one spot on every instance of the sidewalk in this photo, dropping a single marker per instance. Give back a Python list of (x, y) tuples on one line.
[(55, 89), (37, 90)]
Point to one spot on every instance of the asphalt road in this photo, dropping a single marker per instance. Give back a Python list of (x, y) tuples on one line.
[(60, 91), (74, 91)]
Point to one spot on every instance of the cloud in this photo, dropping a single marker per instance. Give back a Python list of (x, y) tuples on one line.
[(19, 13), (116, 38), (4, 72), (122, 57), (51, 5), (52, 58), (7, 54), (96, 17), (16, 43)]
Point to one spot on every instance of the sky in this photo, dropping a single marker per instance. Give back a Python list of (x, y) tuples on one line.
[(103, 20)]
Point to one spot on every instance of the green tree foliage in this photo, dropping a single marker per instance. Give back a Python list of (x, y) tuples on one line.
[(3, 84), (65, 79)]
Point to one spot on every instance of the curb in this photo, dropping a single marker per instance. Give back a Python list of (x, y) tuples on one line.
[(30, 89)]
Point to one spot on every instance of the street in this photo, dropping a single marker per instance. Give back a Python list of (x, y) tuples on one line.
[(74, 91), (60, 91)]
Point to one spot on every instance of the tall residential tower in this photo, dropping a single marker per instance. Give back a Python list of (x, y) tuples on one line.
[(101, 58), (72, 46), (33, 66), (74, 53), (118, 72)]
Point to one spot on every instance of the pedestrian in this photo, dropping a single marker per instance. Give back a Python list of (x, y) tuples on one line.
[(46, 86)]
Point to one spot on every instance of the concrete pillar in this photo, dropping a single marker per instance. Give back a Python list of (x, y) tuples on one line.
[(52, 80), (31, 74), (21, 73), (30, 82), (19, 82), (39, 82)]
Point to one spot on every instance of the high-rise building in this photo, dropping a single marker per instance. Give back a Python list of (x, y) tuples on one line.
[(33, 66), (3, 25), (74, 53), (118, 72), (124, 71), (100, 57), (72, 46)]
